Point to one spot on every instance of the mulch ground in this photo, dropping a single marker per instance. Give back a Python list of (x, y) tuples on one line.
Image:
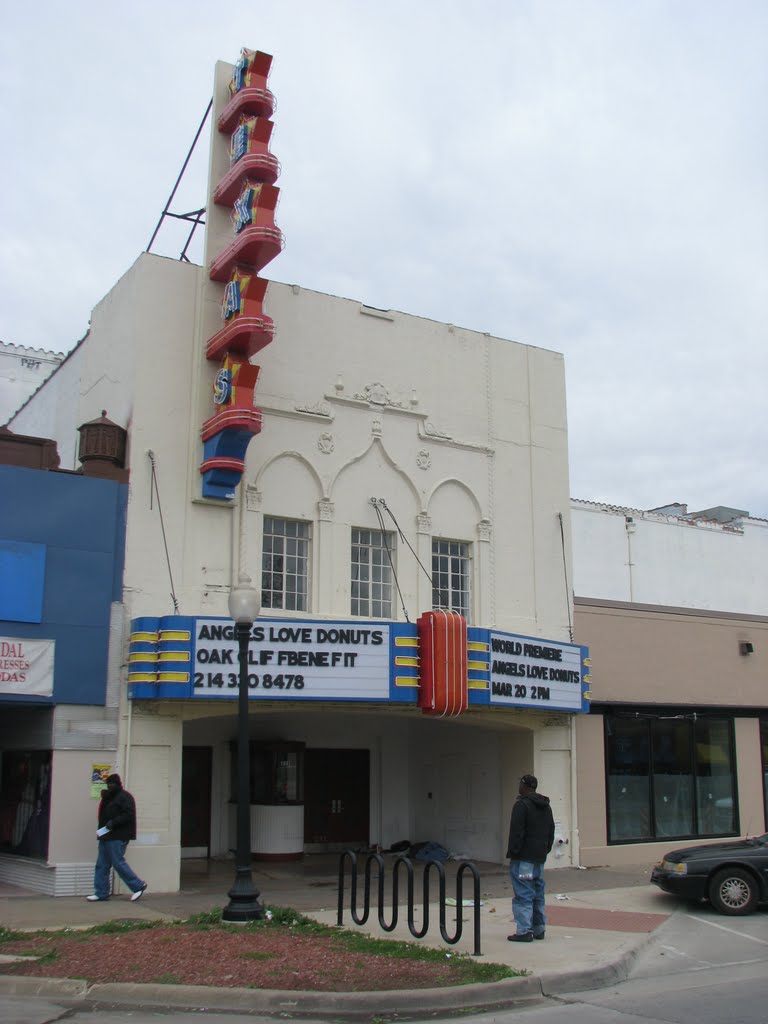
[(225, 958)]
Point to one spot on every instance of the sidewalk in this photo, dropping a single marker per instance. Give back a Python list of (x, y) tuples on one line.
[(597, 921)]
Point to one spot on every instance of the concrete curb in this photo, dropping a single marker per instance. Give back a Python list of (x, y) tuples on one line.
[(555, 982), (280, 1001), (63, 988)]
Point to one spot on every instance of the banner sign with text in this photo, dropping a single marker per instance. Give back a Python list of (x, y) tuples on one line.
[(26, 666), (535, 673), (186, 657), (329, 660)]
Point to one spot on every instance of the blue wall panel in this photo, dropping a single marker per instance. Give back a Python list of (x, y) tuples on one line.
[(80, 524), (79, 588), (22, 580)]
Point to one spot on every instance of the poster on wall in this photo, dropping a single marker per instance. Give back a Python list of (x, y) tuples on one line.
[(26, 666), (99, 775)]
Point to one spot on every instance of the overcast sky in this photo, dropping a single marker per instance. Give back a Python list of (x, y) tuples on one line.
[(588, 176)]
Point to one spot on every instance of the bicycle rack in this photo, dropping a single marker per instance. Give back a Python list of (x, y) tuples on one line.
[(407, 865)]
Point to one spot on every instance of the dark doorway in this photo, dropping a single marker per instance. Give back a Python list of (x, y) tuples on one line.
[(336, 797), (196, 799)]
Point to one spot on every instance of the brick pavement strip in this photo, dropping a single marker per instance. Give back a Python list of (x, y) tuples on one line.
[(604, 920)]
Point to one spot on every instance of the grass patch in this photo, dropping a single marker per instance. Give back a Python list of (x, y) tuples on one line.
[(470, 969), (123, 925), (256, 956), (206, 919), (166, 979), (41, 958), (49, 957)]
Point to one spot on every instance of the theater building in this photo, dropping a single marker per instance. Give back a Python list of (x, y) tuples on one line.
[(362, 467)]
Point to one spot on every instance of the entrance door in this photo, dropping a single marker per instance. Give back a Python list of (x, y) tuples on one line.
[(196, 800), (336, 797)]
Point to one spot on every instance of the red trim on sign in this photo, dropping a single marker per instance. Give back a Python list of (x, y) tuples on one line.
[(256, 246), (219, 462), (256, 101), (261, 166), (235, 419), (245, 335)]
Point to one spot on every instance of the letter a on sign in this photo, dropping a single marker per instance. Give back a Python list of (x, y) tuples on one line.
[(443, 663)]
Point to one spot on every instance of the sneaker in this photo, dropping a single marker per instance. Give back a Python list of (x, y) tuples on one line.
[(539, 936), (93, 898), (525, 937), (139, 893)]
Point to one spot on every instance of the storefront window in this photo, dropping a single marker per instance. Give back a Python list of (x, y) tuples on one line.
[(25, 791), (629, 799), (715, 796), (669, 777), (672, 778)]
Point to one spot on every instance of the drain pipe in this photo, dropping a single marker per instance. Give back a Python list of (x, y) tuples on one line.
[(630, 526)]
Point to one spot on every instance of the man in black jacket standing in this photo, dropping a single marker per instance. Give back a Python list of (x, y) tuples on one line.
[(117, 826), (531, 835)]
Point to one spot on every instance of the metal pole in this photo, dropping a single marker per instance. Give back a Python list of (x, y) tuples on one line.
[(243, 903), (181, 174)]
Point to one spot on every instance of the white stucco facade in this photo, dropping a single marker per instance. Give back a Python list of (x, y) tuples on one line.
[(670, 557), (22, 371)]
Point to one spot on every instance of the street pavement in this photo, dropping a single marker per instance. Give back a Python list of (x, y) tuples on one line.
[(598, 921)]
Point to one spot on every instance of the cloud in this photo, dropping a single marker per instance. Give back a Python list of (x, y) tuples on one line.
[(586, 177)]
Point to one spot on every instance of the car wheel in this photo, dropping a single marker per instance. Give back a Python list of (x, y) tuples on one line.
[(733, 891)]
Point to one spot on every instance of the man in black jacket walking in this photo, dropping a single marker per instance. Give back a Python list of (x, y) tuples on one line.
[(117, 826), (531, 835)]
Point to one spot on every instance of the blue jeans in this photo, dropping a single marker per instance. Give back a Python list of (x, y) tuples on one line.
[(112, 855), (528, 899)]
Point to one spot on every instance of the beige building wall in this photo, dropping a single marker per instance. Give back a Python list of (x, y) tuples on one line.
[(73, 806), (667, 657), (152, 742), (646, 655)]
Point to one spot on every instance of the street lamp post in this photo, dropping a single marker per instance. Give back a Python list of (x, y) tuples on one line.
[(243, 906)]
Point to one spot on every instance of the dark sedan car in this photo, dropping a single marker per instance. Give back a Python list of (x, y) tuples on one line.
[(733, 876)]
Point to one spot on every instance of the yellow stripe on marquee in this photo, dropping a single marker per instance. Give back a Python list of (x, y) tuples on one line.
[(407, 681), (477, 645), (175, 634), (174, 656), (173, 677), (143, 656), (481, 666), (400, 659), (147, 638), (142, 677), (406, 641)]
